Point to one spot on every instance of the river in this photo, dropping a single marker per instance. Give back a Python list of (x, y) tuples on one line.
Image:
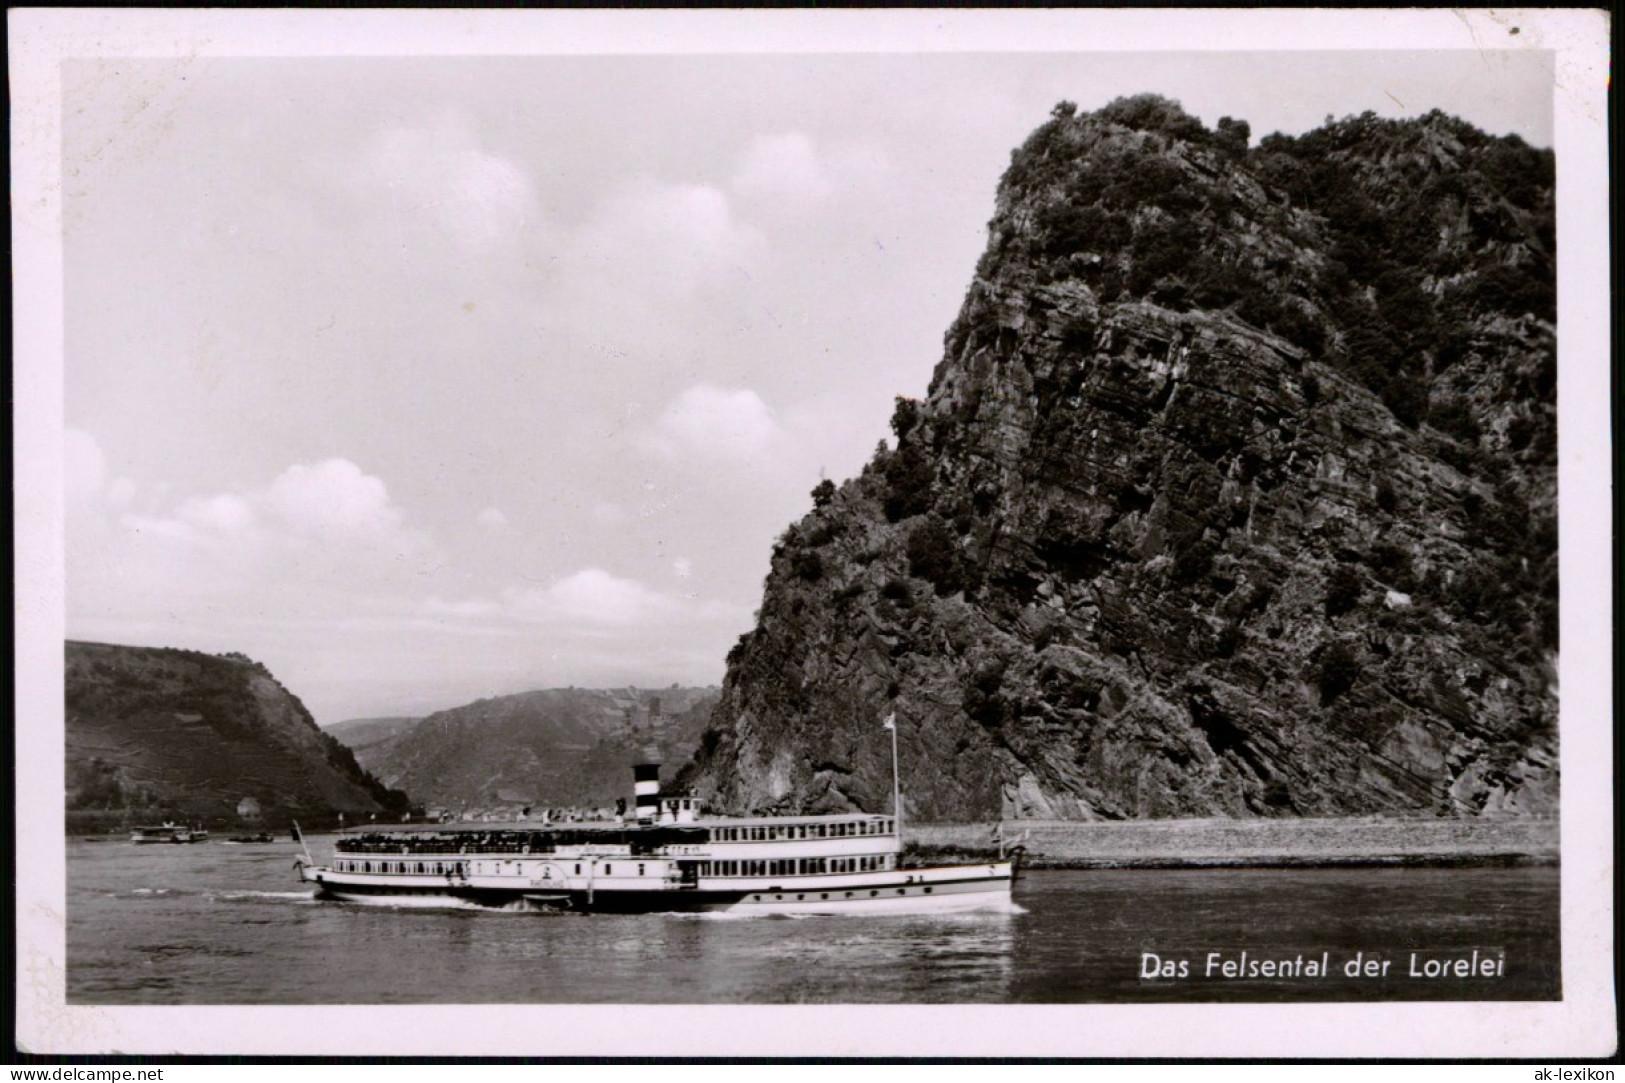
[(215, 923)]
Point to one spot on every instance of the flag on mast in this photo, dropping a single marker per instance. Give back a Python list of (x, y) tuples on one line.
[(891, 721)]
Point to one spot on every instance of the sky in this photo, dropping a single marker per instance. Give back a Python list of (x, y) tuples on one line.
[(425, 379)]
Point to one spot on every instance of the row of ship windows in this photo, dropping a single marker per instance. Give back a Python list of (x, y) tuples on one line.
[(438, 868), (773, 832), (803, 866), (445, 868)]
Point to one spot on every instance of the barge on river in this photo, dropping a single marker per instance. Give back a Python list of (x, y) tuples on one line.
[(171, 833), (672, 859)]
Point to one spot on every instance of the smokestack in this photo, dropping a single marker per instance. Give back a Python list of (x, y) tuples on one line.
[(646, 786)]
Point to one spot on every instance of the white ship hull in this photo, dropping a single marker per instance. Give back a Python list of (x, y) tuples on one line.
[(945, 895), (903, 891)]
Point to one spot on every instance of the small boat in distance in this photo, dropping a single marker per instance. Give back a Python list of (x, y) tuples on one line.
[(168, 832), (671, 859), (262, 837)]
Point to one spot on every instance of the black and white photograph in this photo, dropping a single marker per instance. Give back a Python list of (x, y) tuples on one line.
[(990, 533)]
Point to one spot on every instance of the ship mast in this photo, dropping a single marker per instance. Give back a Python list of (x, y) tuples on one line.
[(896, 787)]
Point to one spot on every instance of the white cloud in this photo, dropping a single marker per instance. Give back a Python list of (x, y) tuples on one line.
[(785, 166), (438, 175), (788, 170), (588, 600), (717, 423), (651, 264), (651, 258), (682, 567), (675, 228), (594, 596), (334, 502), (492, 519), (315, 537), (227, 515), (87, 487)]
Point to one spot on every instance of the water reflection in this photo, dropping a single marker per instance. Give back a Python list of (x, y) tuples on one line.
[(1093, 932), (184, 927)]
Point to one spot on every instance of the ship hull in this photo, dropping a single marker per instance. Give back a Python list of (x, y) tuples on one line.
[(939, 890)]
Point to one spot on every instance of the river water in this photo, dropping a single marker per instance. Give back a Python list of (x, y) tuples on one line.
[(215, 923)]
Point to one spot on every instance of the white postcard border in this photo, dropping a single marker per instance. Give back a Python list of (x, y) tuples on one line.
[(1582, 1024)]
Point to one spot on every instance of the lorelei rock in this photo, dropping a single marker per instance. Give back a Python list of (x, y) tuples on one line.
[(1207, 413)]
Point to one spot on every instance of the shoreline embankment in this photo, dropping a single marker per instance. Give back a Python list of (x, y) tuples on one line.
[(1308, 843)]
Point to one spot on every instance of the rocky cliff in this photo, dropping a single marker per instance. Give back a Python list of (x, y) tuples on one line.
[(154, 733), (559, 748), (1232, 494)]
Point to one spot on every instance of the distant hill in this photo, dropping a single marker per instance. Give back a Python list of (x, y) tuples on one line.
[(560, 748), (155, 733), (358, 733)]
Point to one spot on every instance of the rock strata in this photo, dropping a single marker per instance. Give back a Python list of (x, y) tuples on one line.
[(1233, 494)]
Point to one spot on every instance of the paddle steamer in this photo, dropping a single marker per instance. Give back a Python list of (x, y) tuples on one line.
[(672, 858)]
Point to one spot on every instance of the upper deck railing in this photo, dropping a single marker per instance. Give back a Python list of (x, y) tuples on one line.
[(541, 839)]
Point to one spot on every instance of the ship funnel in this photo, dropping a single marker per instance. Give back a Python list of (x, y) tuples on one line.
[(646, 786)]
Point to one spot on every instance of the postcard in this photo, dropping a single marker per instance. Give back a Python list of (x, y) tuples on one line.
[(1043, 534)]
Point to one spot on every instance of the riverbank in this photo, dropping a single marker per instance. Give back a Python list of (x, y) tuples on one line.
[(1065, 844)]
